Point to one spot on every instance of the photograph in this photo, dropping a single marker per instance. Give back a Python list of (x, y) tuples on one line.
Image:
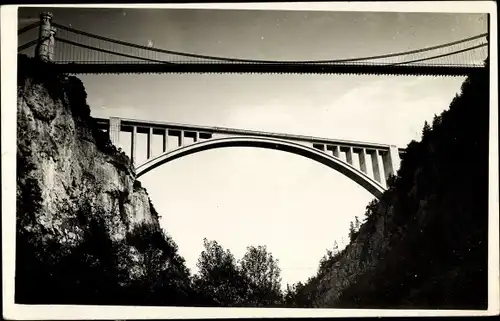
[(280, 160)]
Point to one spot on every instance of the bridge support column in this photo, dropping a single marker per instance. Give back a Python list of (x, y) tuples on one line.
[(348, 155), (114, 130), (150, 143), (165, 140), (196, 137), (181, 138), (395, 159), (336, 151), (391, 161), (52, 43), (376, 166), (45, 46), (133, 144), (362, 160)]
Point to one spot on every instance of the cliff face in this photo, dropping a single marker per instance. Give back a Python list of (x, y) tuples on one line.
[(424, 243), (73, 186), (361, 255)]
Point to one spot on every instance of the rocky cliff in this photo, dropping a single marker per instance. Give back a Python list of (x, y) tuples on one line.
[(424, 243), (77, 195), (360, 256)]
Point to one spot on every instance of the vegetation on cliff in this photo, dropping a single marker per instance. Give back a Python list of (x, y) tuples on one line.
[(424, 243), (87, 232)]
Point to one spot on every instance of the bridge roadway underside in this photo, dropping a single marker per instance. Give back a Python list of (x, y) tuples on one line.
[(124, 68)]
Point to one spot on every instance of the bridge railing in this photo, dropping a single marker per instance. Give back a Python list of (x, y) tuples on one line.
[(126, 124)]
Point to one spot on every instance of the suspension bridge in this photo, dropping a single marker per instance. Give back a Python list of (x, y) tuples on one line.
[(80, 52)]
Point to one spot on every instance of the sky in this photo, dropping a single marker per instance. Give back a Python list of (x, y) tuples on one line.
[(242, 196)]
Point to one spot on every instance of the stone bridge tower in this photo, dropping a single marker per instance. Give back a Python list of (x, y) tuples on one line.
[(46, 40)]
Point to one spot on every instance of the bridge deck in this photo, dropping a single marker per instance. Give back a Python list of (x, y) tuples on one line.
[(125, 68), (127, 124)]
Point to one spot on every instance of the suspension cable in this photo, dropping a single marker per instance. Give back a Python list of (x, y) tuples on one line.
[(442, 55), (27, 45), (263, 61), (166, 62), (28, 27), (108, 51)]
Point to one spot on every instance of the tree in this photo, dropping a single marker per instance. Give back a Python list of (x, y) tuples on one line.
[(357, 223), (219, 279), (297, 296), (162, 277), (352, 231), (325, 261), (289, 296), (329, 259), (335, 248), (354, 228), (426, 130), (263, 274), (371, 209), (436, 121)]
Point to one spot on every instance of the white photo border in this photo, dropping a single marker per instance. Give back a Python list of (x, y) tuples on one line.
[(9, 16)]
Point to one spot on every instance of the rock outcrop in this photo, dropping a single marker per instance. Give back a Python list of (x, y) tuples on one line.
[(424, 243), (73, 184)]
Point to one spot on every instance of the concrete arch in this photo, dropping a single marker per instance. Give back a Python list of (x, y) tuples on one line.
[(359, 177)]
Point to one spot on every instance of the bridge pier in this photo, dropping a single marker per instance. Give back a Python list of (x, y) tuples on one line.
[(150, 142), (114, 130), (362, 160), (46, 41), (391, 161), (133, 152), (395, 159), (336, 151), (348, 155), (165, 140), (181, 138), (377, 170)]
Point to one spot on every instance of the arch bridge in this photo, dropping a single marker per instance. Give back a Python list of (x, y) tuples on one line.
[(368, 164)]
